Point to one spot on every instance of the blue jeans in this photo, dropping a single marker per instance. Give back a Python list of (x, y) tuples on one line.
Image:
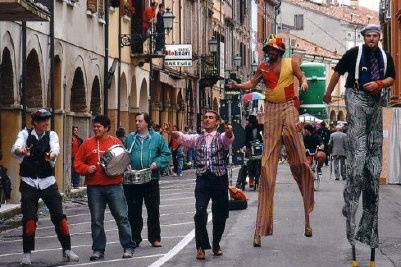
[(190, 154), (178, 160), (75, 178), (113, 196)]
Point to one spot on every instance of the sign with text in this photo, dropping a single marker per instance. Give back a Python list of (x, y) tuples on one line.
[(221, 62), (178, 55)]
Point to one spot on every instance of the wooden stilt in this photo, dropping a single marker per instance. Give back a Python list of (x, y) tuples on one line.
[(354, 261), (372, 258)]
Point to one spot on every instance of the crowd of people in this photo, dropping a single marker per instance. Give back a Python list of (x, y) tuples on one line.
[(355, 149)]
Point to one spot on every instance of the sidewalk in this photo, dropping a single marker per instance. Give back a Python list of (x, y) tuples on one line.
[(8, 211)]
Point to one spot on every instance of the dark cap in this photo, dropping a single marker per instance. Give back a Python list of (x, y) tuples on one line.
[(41, 115), (371, 28)]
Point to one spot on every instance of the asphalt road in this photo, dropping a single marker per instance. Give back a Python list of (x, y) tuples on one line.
[(287, 247)]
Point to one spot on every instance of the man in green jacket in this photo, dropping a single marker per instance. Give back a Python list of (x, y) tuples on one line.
[(148, 151)]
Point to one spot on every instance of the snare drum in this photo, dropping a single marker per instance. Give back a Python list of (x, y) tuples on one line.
[(137, 176), (115, 160)]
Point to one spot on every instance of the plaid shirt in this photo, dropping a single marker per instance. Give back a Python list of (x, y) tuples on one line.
[(215, 160)]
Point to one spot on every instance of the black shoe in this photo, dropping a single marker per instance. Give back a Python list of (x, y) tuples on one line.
[(337, 179), (97, 255)]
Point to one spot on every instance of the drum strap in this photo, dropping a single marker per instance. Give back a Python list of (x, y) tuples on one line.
[(98, 154)]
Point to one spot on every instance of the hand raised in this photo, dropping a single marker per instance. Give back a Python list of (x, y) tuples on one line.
[(304, 86), (228, 129), (327, 98)]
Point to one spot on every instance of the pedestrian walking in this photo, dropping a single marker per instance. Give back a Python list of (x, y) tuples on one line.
[(37, 149), (103, 190), (338, 144), (75, 143), (120, 134), (149, 154), (280, 125), (211, 180), (324, 134), (370, 69), (177, 154)]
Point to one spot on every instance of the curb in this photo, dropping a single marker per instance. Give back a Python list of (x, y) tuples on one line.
[(75, 193)]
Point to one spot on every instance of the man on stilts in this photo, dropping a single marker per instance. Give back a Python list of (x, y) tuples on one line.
[(280, 126), (370, 69)]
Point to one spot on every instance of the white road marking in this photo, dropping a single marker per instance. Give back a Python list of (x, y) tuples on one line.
[(181, 198), (177, 248), (115, 260), (173, 194), (85, 233), (179, 204), (78, 246), (176, 180)]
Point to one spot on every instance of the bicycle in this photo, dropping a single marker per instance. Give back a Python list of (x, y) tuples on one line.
[(251, 166), (317, 174)]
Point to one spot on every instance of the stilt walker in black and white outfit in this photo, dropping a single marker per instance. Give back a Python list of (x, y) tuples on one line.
[(370, 69)]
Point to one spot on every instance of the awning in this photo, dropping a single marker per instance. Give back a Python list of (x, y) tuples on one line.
[(176, 83), (317, 110)]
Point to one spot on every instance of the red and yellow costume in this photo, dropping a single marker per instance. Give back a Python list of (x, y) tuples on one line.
[(281, 118)]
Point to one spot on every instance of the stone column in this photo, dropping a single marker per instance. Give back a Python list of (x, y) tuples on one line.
[(10, 126), (63, 176)]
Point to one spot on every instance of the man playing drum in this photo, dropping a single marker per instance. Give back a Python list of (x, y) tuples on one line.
[(149, 154), (211, 180), (103, 189)]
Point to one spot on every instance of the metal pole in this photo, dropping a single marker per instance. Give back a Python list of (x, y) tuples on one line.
[(150, 70), (51, 3), (106, 59), (230, 151), (23, 82), (119, 70)]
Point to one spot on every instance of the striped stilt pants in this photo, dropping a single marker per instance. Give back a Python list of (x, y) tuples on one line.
[(280, 127)]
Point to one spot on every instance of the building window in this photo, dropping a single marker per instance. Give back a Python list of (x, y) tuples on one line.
[(91, 5), (299, 22)]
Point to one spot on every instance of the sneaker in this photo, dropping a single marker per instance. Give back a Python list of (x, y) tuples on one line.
[(180, 174), (174, 174), (128, 253), (70, 256), (97, 255), (26, 259)]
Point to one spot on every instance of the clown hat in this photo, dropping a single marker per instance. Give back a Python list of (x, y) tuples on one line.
[(274, 42)]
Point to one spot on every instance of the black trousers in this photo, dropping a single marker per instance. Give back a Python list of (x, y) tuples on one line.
[(210, 186), (135, 195), (29, 205)]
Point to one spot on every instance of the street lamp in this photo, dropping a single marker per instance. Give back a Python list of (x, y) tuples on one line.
[(213, 45), (237, 61), (168, 19), (254, 66)]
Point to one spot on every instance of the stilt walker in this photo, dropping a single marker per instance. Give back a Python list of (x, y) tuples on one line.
[(280, 126), (370, 69)]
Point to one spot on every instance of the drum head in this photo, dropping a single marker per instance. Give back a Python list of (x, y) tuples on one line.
[(115, 160), (118, 164)]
